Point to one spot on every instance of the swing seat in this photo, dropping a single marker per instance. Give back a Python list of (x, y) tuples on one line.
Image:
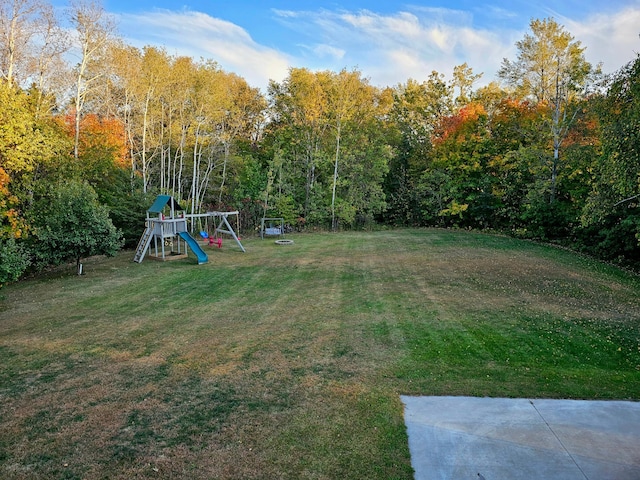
[(204, 234), (273, 231), (215, 241)]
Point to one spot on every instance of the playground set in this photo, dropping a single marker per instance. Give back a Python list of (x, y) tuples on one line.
[(166, 225)]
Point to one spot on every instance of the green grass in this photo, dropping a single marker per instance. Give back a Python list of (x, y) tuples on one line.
[(288, 361)]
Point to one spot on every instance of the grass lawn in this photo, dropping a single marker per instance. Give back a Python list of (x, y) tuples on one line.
[(288, 361)]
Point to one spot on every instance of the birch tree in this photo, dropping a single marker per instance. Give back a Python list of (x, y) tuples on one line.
[(177, 106), (151, 78), (299, 111), (31, 44), (550, 69), (17, 29), (350, 99), (47, 69), (126, 60), (94, 30), (242, 110)]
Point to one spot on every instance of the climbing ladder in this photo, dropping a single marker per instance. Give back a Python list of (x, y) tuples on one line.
[(144, 242)]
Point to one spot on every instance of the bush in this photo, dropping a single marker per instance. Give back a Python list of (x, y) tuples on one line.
[(14, 260), (615, 239)]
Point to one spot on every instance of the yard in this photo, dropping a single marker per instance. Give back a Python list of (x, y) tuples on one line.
[(288, 361)]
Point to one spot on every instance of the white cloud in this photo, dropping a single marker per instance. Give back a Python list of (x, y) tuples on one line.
[(499, 12), (388, 49), (285, 13), (391, 48), (323, 51), (609, 38), (197, 35)]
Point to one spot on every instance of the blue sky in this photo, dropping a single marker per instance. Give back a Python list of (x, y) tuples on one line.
[(388, 41)]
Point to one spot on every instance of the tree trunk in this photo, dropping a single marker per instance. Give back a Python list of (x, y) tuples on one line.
[(224, 172), (554, 171), (334, 225), (145, 124), (78, 108)]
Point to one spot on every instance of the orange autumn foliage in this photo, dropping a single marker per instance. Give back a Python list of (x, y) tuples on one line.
[(4, 182), (11, 223), (100, 132), (452, 124), (586, 131)]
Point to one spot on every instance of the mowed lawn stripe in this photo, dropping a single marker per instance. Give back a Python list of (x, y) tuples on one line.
[(288, 361)]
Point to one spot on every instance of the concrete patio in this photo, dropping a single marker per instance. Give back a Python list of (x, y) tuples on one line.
[(460, 438)]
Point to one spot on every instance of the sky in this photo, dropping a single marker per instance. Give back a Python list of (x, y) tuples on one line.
[(388, 41)]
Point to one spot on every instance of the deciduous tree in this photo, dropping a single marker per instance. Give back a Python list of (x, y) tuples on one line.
[(94, 29), (299, 120), (417, 111), (19, 25), (463, 80), (351, 100), (551, 70), (613, 207), (70, 224)]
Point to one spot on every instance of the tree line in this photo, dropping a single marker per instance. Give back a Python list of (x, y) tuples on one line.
[(548, 150)]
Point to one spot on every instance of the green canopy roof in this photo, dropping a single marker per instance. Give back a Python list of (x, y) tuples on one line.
[(162, 201)]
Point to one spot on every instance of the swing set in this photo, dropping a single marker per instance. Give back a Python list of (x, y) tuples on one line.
[(272, 227), (211, 233)]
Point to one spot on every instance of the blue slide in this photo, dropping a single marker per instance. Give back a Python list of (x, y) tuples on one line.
[(202, 257)]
